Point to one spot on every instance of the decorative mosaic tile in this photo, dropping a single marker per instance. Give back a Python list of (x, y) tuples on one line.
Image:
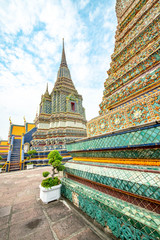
[(141, 83), (147, 135), (140, 59), (143, 110), (127, 73), (142, 183), (125, 37), (114, 213), (136, 167), (142, 153)]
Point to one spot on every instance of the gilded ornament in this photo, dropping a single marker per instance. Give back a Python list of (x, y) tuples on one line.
[(137, 114), (117, 121), (102, 125), (91, 129), (154, 76)]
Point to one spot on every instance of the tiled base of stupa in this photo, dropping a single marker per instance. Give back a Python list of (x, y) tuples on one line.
[(115, 173), (115, 179)]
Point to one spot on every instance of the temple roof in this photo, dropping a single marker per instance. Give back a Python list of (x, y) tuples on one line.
[(63, 77)]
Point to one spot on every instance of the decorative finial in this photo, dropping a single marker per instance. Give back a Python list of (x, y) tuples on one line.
[(10, 120), (24, 119), (37, 112), (46, 92), (47, 88), (63, 59)]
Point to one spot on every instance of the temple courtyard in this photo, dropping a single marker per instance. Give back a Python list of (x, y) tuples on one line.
[(24, 216)]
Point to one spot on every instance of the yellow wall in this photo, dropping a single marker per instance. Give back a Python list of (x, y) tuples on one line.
[(4, 151), (30, 126), (18, 130), (4, 143), (4, 147)]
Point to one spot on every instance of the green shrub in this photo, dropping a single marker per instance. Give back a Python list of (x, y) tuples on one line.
[(45, 174), (60, 168), (30, 163), (31, 153), (50, 182), (55, 159), (1, 158)]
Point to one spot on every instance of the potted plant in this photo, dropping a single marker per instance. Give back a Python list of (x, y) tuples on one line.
[(31, 155), (29, 165), (50, 188)]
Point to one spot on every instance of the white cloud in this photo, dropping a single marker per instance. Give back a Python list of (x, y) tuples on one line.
[(109, 18), (18, 15), (94, 14), (91, 103), (83, 3)]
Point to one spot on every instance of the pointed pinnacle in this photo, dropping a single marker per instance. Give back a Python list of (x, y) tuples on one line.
[(46, 92), (63, 59), (47, 88)]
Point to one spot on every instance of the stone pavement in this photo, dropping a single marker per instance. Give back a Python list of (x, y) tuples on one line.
[(24, 216)]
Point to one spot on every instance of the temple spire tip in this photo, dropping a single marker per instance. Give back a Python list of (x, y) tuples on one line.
[(63, 59)]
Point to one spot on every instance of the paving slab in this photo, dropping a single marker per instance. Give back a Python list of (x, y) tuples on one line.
[(58, 211), (24, 217), (27, 214), (19, 207), (4, 222), (25, 228), (4, 234), (4, 211), (43, 233), (86, 234), (68, 226)]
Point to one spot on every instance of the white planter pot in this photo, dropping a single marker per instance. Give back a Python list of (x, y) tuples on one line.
[(0, 170), (50, 194), (30, 166)]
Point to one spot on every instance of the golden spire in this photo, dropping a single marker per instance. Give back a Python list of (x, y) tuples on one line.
[(24, 119), (10, 120)]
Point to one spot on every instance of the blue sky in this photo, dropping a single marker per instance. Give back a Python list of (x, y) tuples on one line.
[(31, 35)]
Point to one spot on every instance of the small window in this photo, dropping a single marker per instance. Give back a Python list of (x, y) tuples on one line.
[(73, 106)]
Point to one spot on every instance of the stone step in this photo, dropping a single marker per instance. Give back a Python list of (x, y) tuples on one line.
[(15, 169), (14, 164)]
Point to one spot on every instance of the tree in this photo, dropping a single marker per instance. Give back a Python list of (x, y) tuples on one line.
[(31, 154), (55, 159)]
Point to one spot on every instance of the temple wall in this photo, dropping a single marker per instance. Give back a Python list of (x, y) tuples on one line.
[(138, 112)]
